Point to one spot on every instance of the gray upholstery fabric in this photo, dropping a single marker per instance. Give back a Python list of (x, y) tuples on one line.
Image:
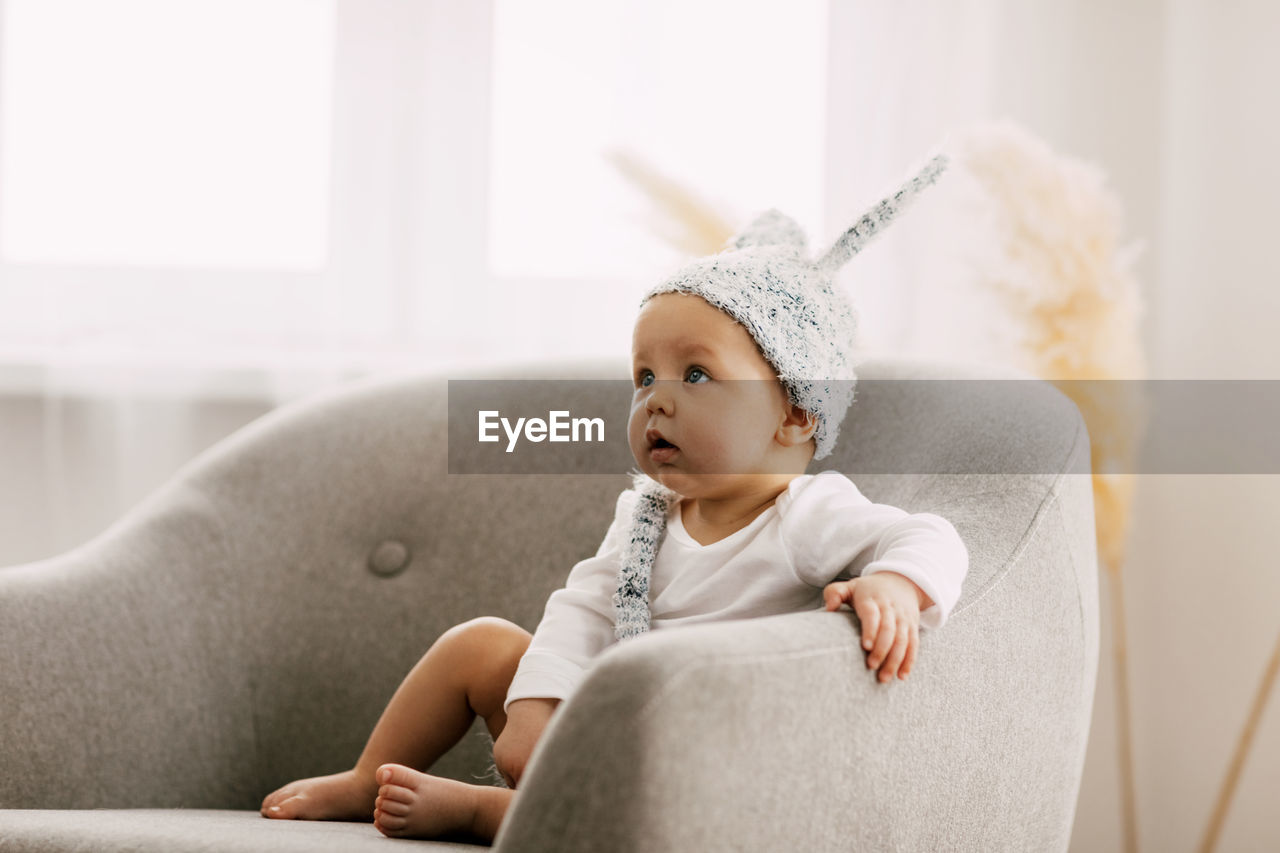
[(228, 636), (194, 830)]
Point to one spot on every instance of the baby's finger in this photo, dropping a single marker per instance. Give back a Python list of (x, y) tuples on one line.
[(897, 653), (912, 646), (884, 639), (869, 613), (836, 594)]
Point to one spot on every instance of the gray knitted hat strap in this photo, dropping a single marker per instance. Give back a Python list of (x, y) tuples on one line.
[(648, 522)]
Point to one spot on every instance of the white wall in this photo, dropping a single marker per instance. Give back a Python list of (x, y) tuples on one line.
[(1204, 580)]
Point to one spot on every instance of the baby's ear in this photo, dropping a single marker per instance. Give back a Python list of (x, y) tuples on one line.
[(797, 427)]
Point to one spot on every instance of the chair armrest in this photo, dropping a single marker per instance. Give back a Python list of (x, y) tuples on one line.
[(120, 673), (764, 734)]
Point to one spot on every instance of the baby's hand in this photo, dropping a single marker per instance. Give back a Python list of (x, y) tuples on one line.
[(889, 606)]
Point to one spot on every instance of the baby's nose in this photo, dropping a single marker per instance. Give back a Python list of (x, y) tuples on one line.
[(660, 398)]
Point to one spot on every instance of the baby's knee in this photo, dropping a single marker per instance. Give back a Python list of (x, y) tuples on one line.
[(491, 639), (486, 653), (491, 629)]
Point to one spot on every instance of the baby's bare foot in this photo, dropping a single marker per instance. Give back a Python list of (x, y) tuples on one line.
[(342, 796), (414, 805)]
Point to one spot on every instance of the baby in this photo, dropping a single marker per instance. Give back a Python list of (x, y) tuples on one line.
[(731, 360)]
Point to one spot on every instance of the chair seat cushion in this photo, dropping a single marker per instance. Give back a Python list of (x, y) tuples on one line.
[(183, 830)]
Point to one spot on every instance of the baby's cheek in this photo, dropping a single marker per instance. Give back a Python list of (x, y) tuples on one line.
[(641, 458), (718, 447), (635, 434)]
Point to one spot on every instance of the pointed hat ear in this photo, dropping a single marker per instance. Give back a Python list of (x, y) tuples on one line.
[(771, 228), (875, 219)]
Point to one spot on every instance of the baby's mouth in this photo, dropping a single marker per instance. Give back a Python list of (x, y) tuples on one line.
[(662, 450)]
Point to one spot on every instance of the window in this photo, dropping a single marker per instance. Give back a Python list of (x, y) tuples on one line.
[(155, 133), (258, 182), (193, 181)]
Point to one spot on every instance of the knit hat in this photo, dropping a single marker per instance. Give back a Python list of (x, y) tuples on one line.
[(803, 326)]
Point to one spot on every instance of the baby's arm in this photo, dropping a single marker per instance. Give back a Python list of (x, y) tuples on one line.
[(526, 718), (576, 625), (888, 605), (906, 569)]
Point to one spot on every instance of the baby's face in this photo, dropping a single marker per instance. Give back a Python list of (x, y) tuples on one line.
[(707, 406)]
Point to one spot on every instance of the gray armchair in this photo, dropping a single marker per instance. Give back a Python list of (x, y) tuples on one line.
[(246, 625)]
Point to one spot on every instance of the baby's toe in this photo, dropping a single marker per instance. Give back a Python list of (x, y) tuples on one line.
[(276, 797), (287, 809), (393, 806), (399, 775), (395, 794), (390, 824)]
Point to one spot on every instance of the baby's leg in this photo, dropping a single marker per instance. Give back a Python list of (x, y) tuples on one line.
[(465, 672)]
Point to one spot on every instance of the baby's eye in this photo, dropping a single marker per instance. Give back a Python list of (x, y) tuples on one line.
[(696, 375), (645, 379)]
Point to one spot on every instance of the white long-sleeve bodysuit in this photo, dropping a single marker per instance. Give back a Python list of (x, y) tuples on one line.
[(819, 530)]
